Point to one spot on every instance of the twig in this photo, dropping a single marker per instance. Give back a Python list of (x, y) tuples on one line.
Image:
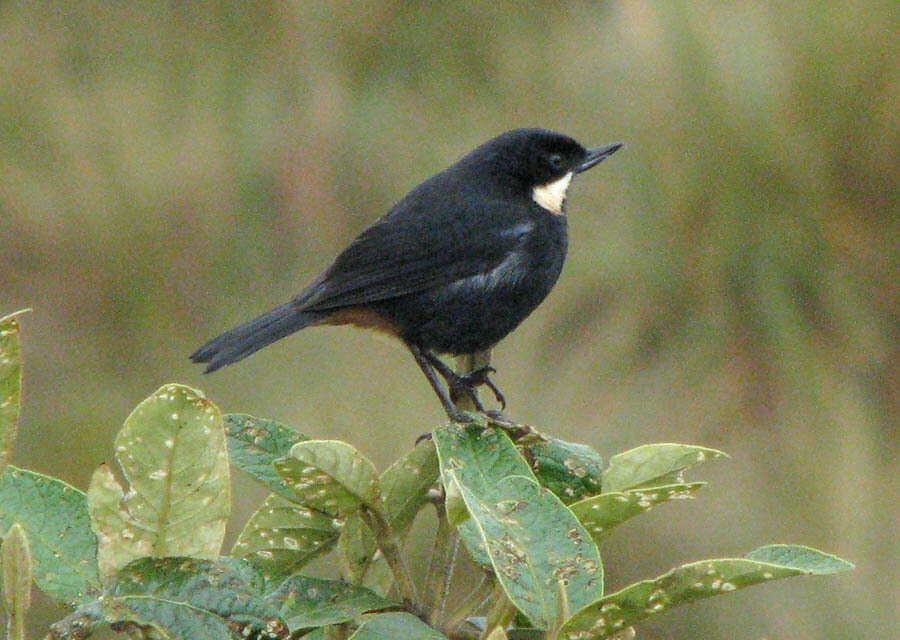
[(336, 632), (390, 546), (501, 612), (465, 364), (448, 576), (438, 567), (470, 604)]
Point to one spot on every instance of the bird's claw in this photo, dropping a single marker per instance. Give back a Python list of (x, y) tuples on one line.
[(461, 386), (479, 377), (497, 393)]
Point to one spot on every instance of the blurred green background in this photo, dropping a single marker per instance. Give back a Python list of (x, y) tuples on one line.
[(170, 169)]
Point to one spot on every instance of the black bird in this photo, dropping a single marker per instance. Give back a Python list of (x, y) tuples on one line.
[(452, 268)]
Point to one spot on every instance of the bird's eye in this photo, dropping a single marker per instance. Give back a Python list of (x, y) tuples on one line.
[(556, 161)]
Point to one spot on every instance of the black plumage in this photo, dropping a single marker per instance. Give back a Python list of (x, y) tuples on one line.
[(452, 268)]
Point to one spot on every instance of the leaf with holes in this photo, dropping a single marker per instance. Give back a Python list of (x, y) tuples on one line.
[(696, 581), (355, 548), (544, 558), (55, 517), (282, 536), (172, 451), (483, 456), (189, 598), (570, 470), (314, 602), (654, 465), (255, 443), (601, 513), (329, 476), (405, 485)]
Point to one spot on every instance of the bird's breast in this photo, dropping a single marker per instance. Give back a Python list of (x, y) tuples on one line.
[(477, 311)]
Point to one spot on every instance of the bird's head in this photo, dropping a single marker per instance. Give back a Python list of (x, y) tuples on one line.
[(536, 162)]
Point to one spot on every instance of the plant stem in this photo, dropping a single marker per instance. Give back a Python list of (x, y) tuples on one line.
[(470, 604), (390, 546), (15, 628), (466, 364), (501, 612), (440, 567), (336, 632), (448, 576)]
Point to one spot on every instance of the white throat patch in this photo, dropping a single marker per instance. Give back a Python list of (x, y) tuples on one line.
[(552, 195)]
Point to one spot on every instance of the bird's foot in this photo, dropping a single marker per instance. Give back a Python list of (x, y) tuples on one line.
[(477, 378), (498, 417), (518, 432), (459, 389), (458, 415)]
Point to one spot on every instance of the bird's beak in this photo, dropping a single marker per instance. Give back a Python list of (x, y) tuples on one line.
[(597, 155)]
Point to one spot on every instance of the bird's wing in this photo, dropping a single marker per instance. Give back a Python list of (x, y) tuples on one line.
[(412, 249)]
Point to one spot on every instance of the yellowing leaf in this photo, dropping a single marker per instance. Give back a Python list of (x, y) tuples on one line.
[(172, 451)]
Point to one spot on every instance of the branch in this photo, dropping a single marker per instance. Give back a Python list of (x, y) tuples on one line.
[(389, 545), (440, 567)]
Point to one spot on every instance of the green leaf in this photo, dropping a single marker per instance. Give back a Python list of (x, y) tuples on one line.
[(226, 587), (695, 581), (395, 626), (601, 513), (191, 598), (654, 465), (482, 456), (360, 563), (329, 476), (172, 451), (356, 548), (471, 538), (544, 558), (313, 602), (570, 470), (255, 443), (801, 558), (473, 447), (168, 620), (378, 576), (10, 385), (16, 567), (455, 505), (405, 485), (109, 523), (533, 542), (282, 536), (55, 517)]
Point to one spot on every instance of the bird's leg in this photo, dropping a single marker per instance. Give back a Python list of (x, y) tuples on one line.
[(457, 383), (479, 377), (427, 365), (469, 381)]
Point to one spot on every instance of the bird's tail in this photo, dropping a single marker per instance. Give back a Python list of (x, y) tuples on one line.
[(248, 338)]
